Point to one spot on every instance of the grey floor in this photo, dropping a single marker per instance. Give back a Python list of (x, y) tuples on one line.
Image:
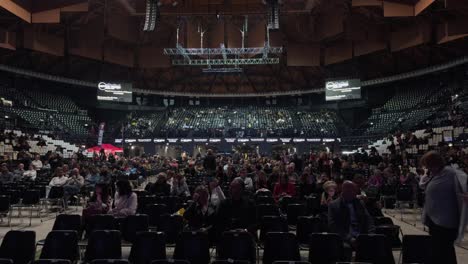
[(409, 222)]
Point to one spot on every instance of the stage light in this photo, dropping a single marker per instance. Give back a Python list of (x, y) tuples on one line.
[(152, 15), (273, 12)]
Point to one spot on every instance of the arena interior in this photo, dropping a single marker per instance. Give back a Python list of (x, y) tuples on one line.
[(233, 131)]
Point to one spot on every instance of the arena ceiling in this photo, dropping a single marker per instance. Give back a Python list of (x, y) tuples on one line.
[(103, 40)]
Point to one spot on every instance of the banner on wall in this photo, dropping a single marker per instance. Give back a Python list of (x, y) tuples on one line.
[(101, 133)]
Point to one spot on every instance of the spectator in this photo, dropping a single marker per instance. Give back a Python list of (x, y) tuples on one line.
[(161, 187), (31, 173), (237, 211), (329, 194), (347, 215), (216, 194), (46, 165), (19, 172), (248, 183), (376, 180), (99, 203), (442, 209), (5, 175), (59, 178), (209, 163), (73, 185), (262, 182), (37, 162), (198, 215), (180, 187), (284, 188), (125, 201)]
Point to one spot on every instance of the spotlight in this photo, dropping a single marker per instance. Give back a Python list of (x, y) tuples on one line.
[(6, 117), (152, 14)]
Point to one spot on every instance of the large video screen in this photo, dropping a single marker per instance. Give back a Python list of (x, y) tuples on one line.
[(342, 90), (115, 92)]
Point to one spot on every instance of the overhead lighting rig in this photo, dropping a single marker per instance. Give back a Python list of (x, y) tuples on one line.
[(152, 15)]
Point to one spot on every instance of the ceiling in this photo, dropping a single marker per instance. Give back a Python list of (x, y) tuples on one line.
[(103, 40)]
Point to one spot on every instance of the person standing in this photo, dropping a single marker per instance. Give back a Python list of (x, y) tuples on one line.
[(443, 209)]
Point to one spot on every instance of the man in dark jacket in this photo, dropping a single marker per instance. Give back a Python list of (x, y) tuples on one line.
[(348, 216), (209, 163)]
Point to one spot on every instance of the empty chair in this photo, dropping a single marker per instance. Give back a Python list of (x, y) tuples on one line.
[(170, 261), (272, 224), (68, 222), (31, 199), (293, 211), (103, 244), (144, 201), (378, 221), (264, 200), (194, 247), (155, 211), (109, 261), (280, 246), (172, 203), (237, 245), (374, 249), (61, 245), (5, 208), (148, 246), (313, 205), (392, 233), (325, 248), (19, 246), (306, 225), (291, 262), (133, 224), (6, 261), (52, 261), (416, 249), (230, 261), (172, 226), (285, 201), (102, 222), (267, 210)]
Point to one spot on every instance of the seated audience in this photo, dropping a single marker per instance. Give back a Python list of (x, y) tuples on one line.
[(73, 185), (161, 187), (284, 188), (249, 187), (348, 216), (376, 180), (216, 194), (198, 215), (180, 187), (37, 162), (19, 172), (30, 174), (59, 178), (5, 175), (329, 194), (125, 201)]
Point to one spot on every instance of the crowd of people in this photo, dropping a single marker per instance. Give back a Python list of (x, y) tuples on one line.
[(220, 190)]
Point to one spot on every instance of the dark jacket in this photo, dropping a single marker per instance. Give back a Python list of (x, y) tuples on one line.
[(339, 219), (162, 189), (210, 162)]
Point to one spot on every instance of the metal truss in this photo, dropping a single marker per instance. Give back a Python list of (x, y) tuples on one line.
[(222, 70), (223, 51), (219, 62)]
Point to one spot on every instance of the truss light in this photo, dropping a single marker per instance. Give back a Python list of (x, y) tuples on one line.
[(152, 14)]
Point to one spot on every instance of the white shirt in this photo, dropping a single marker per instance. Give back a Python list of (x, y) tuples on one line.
[(247, 182), (58, 181), (30, 174), (37, 164)]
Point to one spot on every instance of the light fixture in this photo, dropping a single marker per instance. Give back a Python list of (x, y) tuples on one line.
[(152, 15), (273, 14)]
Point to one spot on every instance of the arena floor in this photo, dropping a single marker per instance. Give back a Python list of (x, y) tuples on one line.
[(410, 225)]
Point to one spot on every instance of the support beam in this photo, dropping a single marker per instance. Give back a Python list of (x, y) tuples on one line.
[(16, 10)]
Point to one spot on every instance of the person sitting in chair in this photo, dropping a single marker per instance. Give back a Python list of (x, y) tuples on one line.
[(348, 216)]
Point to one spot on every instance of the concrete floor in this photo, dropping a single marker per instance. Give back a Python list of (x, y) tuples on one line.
[(410, 225)]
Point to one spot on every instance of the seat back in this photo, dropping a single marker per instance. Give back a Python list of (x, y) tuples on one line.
[(293, 211), (102, 222), (404, 193), (264, 200), (230, 261), (380, 220), (4, 203), (109, 261), (391, 233), (280, 246), (133, 224), (148, 246), (416, 249), (267, 210), (172, 226), (31, 197), (104, 244), (374, 249), (68, 222), (238, 245), (170, 261), (52, 261), (154, 211), (272, 224), (6, 261), (194, 247), (306, 225), (143, 201), (61, 245), (325, 248), (19, 246), (172, 203)]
